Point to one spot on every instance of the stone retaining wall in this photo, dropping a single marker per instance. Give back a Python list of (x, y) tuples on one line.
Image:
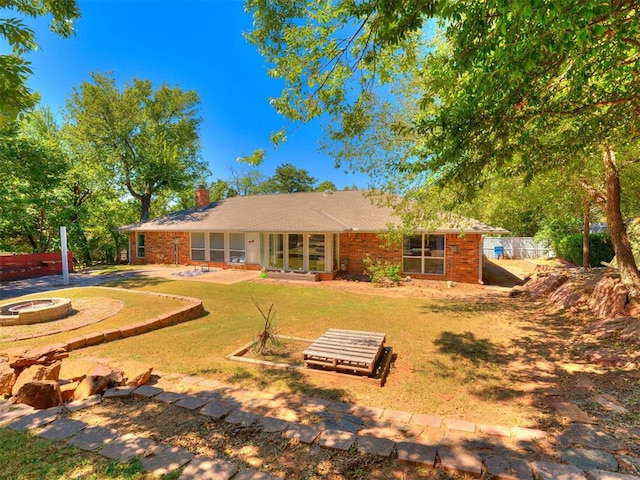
[(189, 312)]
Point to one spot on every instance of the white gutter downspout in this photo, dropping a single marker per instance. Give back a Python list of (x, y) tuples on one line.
[(480, 281), (129, 247)]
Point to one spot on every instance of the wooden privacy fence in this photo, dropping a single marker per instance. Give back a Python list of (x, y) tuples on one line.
[(31, 265), (516, 247)]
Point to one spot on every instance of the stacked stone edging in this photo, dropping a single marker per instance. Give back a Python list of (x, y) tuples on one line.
[(174, 317)]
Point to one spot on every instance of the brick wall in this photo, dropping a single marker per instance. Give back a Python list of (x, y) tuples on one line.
[(354, 247), (461, 266), (159, 248)]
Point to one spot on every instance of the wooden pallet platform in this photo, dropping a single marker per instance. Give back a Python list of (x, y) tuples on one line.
[(347, 350)]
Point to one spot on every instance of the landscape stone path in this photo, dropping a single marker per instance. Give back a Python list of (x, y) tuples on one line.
[(430, 441)]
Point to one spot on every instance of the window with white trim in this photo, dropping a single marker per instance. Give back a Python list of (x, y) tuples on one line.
[(197, 246), (216, 247), (423, 254), (140, 245), (237, 248)]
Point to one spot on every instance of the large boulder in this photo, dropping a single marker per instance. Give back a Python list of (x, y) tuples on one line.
[(37, 372), (39, 394), (543, 284), (19, 358), (609, 298), (91, 385), (99, 378)]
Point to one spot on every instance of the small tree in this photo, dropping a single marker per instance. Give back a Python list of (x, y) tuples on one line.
[(268, 333)]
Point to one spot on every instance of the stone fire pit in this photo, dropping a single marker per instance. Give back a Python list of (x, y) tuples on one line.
[(38, 310)]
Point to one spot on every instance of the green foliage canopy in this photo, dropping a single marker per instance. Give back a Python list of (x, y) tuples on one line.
[(15, 96), (147, 138)]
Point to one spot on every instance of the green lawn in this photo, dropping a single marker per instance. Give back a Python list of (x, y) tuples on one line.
[(452, 353), (22, 457)]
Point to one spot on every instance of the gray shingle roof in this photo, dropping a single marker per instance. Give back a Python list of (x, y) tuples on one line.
[(329, 212)]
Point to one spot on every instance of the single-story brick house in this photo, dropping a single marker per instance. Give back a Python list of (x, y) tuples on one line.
[(322, 232)]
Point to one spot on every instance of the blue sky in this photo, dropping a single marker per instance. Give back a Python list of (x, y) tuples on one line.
[(196, 45)]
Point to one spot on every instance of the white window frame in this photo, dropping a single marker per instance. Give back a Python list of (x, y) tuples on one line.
[(140, 245), (424, 257)]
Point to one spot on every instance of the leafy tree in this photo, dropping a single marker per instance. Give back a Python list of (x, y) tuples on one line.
[(511, 88), (220, 189), (33, 199), (245, 181), (15, 96), (326, 185), (147, 139), (289, 179)]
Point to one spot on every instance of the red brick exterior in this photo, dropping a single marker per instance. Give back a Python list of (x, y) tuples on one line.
[(354, 247), (460, 266), (159, 248), (202, 197)]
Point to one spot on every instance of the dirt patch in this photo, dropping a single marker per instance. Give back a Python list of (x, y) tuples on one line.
[(86, 311), (247, 446)]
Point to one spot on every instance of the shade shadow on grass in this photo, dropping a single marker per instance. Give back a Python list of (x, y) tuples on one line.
[(134, 280), (467, 346), (466, 305), (296, 382)]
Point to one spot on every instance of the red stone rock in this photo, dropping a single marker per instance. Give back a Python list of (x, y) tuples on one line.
[(67, 390), (25, 357), (116, 376), (39, 394), (91, 385), (609, 298), (37, 372), (140, 378), (7, 378), (544, 284)]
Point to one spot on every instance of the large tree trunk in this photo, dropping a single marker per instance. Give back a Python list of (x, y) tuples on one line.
[(586, 228), (145, 206), (617, 229)]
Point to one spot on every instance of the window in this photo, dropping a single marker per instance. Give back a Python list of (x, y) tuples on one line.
[(276, 250), (236, 246), (296, 251), (197, 246), (140, 245), (316, 253), (423, 254), (216, 247)]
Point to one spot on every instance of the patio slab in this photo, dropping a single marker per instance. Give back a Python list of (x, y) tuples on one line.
[(127, 447), (206, 468), (164, 459), (61, 429), (92, 438)]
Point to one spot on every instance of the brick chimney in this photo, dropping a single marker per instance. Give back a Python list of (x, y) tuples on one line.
[(202, 197)]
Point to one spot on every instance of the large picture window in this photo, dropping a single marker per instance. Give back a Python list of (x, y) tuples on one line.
[(423, 254), (300, 252)]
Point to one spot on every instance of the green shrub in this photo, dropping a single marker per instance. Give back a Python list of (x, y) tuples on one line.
[(600, 248), (378, 271)]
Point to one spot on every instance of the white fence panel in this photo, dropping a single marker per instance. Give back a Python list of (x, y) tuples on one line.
[(516, 247)]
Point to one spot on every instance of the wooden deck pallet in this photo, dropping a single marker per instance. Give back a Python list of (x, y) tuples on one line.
[(346, 350)]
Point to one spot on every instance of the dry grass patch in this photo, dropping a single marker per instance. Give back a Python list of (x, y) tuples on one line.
[(453, 354)]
